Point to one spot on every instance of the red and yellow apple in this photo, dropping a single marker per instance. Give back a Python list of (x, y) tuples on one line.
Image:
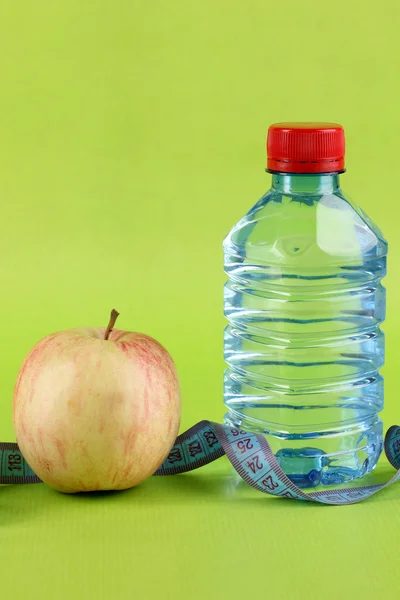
[(96, 408)]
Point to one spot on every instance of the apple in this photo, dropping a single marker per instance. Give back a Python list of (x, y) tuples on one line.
[(96, 408)]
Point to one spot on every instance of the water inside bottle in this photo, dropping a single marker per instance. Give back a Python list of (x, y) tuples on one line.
[(304, 303)]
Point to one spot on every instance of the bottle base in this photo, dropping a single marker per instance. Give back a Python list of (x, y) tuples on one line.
[(309, 467)]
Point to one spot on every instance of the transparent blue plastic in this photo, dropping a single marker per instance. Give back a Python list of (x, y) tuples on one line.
[(304, 303)]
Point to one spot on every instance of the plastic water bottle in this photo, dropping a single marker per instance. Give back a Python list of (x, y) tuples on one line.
[(304, 303)]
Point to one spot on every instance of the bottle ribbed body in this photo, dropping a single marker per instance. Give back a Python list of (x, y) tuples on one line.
[(304, 303)]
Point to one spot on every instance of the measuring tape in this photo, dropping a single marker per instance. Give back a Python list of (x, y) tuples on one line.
[(249, 453)]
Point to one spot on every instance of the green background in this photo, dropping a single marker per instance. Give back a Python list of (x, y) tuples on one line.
[(131, 139)]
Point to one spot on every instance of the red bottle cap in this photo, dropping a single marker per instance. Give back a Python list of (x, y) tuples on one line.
[(305, 148)]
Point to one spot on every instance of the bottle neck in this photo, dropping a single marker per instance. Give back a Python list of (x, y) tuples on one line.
[(315, 183)]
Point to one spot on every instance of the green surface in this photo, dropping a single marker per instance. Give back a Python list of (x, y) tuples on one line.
[(131, 140)]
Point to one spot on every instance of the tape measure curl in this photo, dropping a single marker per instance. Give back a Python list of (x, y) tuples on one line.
[(249, 453)]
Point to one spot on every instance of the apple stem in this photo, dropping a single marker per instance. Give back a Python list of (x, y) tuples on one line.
[(113, 317)]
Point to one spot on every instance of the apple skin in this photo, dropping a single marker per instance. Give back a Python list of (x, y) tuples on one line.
[(95, 414)]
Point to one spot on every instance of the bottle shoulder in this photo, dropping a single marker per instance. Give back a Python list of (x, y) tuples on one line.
[(306, 229)]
